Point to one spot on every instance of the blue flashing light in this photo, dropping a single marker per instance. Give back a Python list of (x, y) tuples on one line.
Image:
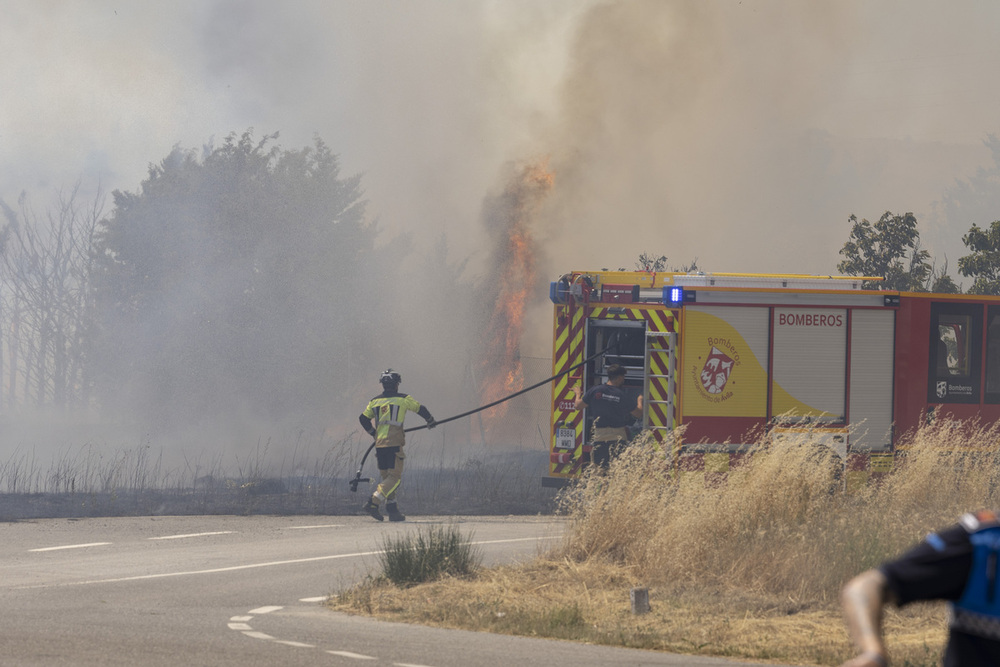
[(558, 292), (673, 295)]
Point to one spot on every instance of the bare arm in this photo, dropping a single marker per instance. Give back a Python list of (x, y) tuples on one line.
[(863, 599), (638, 406), (579, 399)]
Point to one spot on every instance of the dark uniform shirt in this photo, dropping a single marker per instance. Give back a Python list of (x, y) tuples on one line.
[(609, 406), (937, 569)]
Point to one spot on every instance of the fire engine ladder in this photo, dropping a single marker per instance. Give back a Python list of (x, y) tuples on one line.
[(660, 362)]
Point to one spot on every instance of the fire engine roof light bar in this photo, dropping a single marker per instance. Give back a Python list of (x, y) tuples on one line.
[(675, 296)]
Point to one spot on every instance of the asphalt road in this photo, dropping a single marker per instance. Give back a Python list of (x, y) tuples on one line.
[(225, 590)]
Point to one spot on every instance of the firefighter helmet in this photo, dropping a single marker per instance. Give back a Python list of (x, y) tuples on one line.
[(389, 376)]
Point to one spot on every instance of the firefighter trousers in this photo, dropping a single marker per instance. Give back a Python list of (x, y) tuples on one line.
[(390, 468), (608, 444)]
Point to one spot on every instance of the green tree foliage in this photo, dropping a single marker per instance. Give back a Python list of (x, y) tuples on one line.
[(238, 283), (881, 249), (943, 284), (983, 264)]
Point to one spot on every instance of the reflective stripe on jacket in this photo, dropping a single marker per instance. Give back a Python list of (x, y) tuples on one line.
[(388, 412)]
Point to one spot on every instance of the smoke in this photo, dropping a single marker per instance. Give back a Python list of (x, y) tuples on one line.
[(742, 134)]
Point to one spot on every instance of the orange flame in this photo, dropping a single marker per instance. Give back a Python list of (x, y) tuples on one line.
[(510, 281)]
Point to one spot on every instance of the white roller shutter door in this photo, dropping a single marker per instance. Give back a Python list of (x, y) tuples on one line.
[(872, 333)]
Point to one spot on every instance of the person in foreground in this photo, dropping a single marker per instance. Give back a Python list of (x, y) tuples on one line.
[(957, 564), (388, 411)]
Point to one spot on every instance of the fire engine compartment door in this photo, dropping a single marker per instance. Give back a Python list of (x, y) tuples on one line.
[(808, 382), (872, 336), (625, 341)]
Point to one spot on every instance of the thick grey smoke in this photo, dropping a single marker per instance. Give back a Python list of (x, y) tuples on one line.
[(742, 134)]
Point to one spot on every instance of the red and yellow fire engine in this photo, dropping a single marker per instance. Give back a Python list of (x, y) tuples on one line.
[(733, 356)]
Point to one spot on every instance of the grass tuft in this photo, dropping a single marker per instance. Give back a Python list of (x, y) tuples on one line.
[(427, 556)]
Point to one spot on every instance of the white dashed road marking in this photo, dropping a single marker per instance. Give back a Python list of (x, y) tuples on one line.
[(240, 623), (264, 610), (328, 525), (73, 546), (348, 654), (180, 537)]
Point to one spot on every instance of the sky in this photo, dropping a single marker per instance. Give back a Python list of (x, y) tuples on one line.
[(740, 133)]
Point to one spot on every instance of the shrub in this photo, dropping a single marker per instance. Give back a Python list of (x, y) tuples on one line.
[(432, 553)]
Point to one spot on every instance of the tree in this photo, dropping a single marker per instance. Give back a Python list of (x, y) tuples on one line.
[(983, 264), (941, 283), (647, 262), (977, 197), (44, 291), (244, 283), (880, 249)]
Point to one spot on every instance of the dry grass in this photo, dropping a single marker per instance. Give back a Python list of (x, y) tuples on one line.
[(749, 569)]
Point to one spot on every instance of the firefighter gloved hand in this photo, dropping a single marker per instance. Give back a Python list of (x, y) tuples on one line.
[(431, 423)]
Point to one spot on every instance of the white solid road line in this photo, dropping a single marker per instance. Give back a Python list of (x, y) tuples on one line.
[(179, 537), (328, 525), (216, 570), (235, 568), (73, 546)]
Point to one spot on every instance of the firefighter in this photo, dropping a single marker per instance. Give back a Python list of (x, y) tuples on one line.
[(958, 564), (388, 410), (612, 410)]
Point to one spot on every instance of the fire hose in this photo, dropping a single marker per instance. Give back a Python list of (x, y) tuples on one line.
[(358, 478)]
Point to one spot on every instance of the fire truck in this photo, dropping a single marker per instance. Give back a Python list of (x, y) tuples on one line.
[(732, 357)]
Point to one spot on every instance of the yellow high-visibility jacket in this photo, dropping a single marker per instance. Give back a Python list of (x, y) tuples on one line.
[(388, 411)]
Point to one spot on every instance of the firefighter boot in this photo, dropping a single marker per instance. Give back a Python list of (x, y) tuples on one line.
[(393, 512), (372, 509)]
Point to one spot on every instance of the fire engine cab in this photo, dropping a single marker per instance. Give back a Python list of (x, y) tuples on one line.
[(732, 357)]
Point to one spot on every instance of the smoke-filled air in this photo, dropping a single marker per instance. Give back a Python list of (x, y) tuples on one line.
[(223, 219)]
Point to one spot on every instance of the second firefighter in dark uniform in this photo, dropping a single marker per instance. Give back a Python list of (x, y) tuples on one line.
[(612, 410)]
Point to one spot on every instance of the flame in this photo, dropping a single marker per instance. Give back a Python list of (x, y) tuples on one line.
[(510, 282)]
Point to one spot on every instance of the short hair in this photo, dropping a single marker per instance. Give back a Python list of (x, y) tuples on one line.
[(615, 370)]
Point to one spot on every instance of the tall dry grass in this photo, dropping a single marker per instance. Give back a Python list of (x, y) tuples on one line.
[(782, 524)]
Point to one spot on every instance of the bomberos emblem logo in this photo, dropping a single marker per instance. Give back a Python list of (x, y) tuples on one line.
[(718, 368), (715, 373)]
